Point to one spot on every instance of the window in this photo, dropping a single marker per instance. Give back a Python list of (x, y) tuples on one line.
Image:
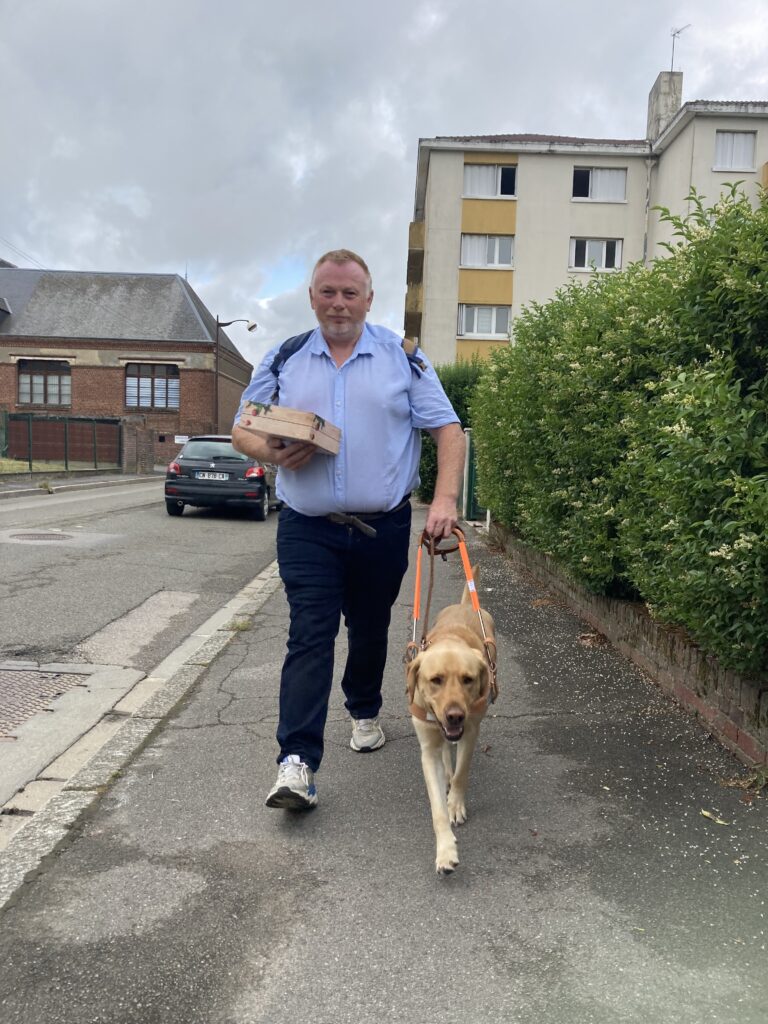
[(487, 250), (489, 180), (210, 450), (44, 382), (735, 151), (600, 184), (151, 386), (595, 253), (485, 320)]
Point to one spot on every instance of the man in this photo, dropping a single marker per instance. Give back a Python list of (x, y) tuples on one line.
[(344, 529)]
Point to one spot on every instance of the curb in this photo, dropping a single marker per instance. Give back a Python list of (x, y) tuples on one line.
[(49, 827), (27, 492)]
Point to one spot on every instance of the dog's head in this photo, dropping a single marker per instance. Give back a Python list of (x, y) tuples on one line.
[(447, 679)]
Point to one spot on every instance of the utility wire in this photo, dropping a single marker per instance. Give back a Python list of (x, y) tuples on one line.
[(20, 252), (125, 319)]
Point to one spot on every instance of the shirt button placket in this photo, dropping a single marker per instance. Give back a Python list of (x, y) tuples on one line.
[(338, 409)]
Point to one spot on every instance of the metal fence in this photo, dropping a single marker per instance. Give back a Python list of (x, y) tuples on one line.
[(33, 443), (471, 509)]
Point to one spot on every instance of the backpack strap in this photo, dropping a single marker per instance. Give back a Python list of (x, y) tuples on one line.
[(292, 345), (411, 348), (286, 350)]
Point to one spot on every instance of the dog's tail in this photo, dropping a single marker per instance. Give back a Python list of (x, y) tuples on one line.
[(465, 598)]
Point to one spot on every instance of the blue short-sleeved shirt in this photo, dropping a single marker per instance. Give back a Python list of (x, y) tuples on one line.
[(380, 404)]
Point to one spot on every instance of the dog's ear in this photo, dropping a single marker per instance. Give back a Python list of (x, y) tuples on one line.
[(484, 675), (411, 675)]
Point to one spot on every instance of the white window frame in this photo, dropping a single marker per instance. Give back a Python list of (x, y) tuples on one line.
[(490, 195), (592, 198), (490, 246), (461, 330), (589, 267), (722, 145)]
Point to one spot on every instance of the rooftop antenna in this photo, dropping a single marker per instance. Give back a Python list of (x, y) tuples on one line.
[(675, 33)]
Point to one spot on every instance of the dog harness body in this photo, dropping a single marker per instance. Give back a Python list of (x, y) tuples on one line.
[(413, 648)]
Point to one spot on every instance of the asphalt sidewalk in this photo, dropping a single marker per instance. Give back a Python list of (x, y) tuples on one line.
[(608, 874)]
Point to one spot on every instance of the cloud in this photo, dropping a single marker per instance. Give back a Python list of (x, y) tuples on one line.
[(237, 141)]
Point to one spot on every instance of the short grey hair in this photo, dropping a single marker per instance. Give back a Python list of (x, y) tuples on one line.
[(342, 256)]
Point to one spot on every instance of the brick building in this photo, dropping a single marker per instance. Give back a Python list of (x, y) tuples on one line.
[(118, 345)]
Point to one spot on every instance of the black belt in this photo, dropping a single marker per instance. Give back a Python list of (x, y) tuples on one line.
[(360, 520)]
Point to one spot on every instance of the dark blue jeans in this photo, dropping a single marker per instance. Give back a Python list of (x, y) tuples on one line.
[(330, 570)]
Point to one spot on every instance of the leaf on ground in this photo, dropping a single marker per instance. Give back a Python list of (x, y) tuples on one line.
[(754, 782), (713, 817), (592, 640)]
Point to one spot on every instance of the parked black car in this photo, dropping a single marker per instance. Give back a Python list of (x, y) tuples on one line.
[(209, 473)]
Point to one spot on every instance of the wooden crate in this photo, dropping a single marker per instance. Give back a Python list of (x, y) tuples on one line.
[(290, 425)]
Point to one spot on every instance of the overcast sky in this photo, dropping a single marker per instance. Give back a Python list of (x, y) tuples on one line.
[(234, 141)]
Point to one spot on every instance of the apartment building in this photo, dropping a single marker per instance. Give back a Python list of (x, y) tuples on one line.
[(504, 220)]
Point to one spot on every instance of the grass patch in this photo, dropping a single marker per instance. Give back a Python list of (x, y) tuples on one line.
[(239, 625), (22, 466)]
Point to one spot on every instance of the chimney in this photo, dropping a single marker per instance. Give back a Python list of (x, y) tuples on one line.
[(664, 101)]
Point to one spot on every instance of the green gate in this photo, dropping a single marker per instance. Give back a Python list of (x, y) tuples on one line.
[(470, 507)]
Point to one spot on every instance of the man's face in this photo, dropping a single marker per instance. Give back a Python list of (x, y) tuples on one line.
[(340, 296)]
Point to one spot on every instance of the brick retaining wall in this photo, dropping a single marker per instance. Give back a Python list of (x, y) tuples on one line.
[(732, 707)]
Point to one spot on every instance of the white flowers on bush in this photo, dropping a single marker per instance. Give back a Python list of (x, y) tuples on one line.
[(724, 551)]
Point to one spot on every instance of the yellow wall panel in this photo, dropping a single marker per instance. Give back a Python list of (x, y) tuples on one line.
[(466, 349), (414, 298), (486, 287), (488, 216), (416, 231), (502, 159)]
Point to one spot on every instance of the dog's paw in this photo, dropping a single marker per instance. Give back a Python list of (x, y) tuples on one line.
[(457, 809), (458, 815), (447, 859)]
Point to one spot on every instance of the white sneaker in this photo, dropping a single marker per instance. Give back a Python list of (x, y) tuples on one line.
[(295, 788), (367, 735)]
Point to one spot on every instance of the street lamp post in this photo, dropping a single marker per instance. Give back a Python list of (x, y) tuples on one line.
[(219, 324)]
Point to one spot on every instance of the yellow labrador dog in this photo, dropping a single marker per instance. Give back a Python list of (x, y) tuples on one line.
[(449, 686)]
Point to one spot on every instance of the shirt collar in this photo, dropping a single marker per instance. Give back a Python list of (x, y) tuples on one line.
[(318, 346)]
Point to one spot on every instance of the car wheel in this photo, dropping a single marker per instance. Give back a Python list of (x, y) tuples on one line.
[(174, 508), (261, 511)]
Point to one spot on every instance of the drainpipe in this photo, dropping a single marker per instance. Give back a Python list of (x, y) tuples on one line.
[(648, 168)]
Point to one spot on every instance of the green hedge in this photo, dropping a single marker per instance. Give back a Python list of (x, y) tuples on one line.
[(459, 380), (625, 432)]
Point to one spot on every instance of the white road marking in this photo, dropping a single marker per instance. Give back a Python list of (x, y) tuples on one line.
[(120, 641)]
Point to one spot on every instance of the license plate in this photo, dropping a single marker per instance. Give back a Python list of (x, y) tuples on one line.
[(212, 476)]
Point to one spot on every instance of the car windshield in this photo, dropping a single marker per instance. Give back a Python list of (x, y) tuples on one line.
[(212, 450)]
